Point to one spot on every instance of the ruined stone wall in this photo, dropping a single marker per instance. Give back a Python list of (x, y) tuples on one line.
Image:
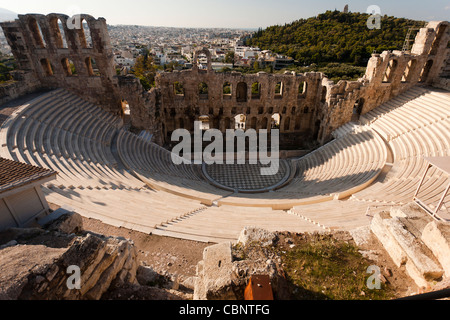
[(60, 55), (311, 107), (23, 83), (75, 53), (144, 106), (222, 108), (387, 75)]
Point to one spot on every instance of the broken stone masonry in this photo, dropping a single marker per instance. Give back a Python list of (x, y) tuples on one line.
[(310, 105)]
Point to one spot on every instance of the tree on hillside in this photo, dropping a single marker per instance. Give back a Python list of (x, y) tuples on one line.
[(333, 36)]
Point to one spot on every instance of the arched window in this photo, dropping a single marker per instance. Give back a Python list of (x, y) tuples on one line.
[(84, 33), (256, 90), (297, 123), (204, 122), (68, 67), (264, 123), (47, 67), (59, 32), (36, 32), (203, 90), (178, 89), (426, 71), (409, 70), (227, 89), (89, 67), (125, 108), (287, 123), (437, 40), (357, 109), (278, 90), (241, 92), (239, 121), (390, 71), (275, 121), (302, 88), (253, 123)]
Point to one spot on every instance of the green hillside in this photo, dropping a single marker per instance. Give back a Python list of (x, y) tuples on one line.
[(334, 36)]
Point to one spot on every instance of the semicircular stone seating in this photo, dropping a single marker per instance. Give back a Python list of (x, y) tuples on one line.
[(334, 171), (416, 124), (422, 129), (108, 173)]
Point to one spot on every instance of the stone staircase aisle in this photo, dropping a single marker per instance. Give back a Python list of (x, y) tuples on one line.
[(415, 240)]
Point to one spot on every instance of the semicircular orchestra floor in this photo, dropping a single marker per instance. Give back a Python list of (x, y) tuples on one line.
[(248, 177)]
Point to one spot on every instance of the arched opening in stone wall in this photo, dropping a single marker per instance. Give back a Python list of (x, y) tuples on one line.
[(62, 32), (437, 40), (275, 121), (426, 71), (287, 124), (256, 90), (84, 34), (60, 35), (227, 123), (297, 123), (390, 71), (240, 121), (178, 89), (253, 122), (226, 90), (204, 122), (68, 67), (241, 92), (302, 88), (36, 32), (125, 110), (293, 110), (89, 66), (264, 123), (357, 109), (279, 90), (284, 110), (203, 90), (409, 71), (47, 67)]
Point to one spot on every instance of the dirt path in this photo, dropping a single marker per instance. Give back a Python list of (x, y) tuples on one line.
[(163, 254)]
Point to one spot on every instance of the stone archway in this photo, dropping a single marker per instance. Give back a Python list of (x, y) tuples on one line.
[(241, 92)]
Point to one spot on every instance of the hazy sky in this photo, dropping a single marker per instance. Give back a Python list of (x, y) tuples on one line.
[(223, 13)]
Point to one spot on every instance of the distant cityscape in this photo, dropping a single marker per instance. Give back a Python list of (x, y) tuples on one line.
[(176, 46)]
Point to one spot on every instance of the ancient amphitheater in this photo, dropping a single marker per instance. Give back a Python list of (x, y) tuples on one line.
[(376, 135)]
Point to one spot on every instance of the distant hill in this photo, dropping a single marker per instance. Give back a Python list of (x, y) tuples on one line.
[(334, 36), (7, 15)]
